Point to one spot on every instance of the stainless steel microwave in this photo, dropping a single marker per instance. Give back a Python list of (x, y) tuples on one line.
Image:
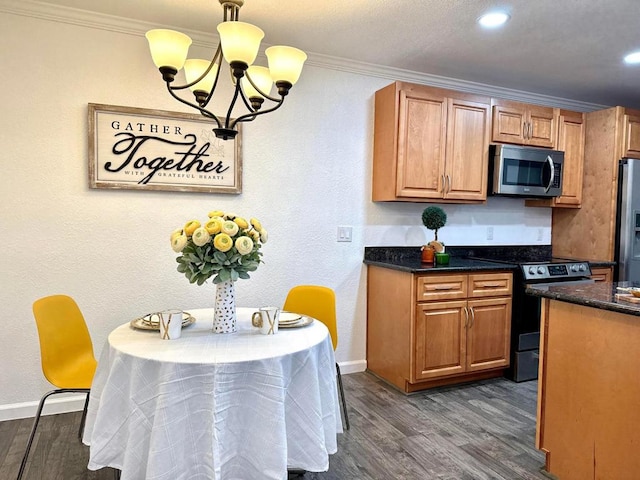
[(525, 171)]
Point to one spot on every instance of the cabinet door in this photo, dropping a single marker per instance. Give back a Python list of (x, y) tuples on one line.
[(542, 127), (571, 142), (632, 136), (421, 145), (467, 153), (508, 122), (440, 340), (488, 333)]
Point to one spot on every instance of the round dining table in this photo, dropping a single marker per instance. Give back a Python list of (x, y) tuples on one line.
[(215, 406)]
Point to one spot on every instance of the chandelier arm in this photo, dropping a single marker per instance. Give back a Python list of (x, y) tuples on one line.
[(203, 111), (218, 57), (251, 116), (233, 102), (273, 99)]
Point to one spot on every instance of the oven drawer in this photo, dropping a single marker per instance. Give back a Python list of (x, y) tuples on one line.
[(441, 287), (490, 284)]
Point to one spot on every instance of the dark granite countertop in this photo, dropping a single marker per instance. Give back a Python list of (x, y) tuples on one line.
[(408, 259), (600, 295), (414, 265)]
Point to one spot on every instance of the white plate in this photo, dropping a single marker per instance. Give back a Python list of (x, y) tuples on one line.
[(302, 322), (148, 322), (288, 317)]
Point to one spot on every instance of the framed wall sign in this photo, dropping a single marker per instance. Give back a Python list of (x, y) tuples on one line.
[(142, 149)]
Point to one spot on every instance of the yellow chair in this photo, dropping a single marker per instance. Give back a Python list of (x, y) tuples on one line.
[(320, 303), (68, 362)]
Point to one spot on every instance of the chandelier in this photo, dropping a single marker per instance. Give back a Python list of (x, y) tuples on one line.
[(239, 45)]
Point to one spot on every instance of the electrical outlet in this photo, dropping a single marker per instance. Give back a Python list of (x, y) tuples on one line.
[(489, 233), (345, 234)]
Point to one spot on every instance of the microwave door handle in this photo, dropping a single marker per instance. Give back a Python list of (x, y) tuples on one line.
[(553, 172)]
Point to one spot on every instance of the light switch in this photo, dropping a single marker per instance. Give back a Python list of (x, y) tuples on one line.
[(344, 234)]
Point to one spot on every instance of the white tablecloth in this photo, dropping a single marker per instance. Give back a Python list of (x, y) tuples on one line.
[(208, 406)]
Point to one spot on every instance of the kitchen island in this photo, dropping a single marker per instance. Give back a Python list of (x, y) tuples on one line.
[(588, 388)]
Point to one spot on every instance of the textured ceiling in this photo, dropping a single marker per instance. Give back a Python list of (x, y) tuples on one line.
[(571, 49)]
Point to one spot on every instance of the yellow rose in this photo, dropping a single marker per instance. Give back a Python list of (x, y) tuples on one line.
[(213, 226), (216, 213), (222, 242), (256, 224), (176, 233), (190, 227), (244, 245), (201, 236), (241, 222), (264, 236), (178, 243), (230, 228)]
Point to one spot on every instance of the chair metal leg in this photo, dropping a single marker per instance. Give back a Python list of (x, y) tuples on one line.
[(84, 418), (344, 404), (36, 420)]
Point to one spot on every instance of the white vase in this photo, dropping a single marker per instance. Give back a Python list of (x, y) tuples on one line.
[(224, 316)]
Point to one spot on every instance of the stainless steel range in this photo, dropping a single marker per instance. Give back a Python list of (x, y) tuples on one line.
[(525, 323)]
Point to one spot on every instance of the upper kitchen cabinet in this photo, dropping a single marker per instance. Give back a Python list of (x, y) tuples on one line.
[(589, 232), (632, 136), (523, 124), (430, 145), (571, 134)]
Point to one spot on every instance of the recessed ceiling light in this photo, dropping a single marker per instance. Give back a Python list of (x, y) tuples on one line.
[(632, 58), (493, 20)]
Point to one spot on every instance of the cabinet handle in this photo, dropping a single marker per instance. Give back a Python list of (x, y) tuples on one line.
[(524, 130), (466, 320), (473, 317), (530, 134), (444, 188), (491, 285), (448, 183)]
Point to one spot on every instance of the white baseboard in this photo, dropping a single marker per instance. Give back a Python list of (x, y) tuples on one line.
[(355, 366), (63, 403), (75, 403)]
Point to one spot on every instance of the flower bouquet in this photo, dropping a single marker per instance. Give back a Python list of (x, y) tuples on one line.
[(227, 248)]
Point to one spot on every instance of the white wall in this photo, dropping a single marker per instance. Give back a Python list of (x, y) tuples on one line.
[(307, 169)]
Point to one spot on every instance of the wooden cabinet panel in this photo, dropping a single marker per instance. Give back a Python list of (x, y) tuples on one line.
[(523, 124), (441, 287), (490, 284), (488, 333), (440, 339), (602, 274), (467, 150), (632, 136), (421, 146)]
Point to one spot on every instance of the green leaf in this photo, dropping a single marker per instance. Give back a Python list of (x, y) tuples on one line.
[(224, 275), (243, 275), (219, 256), (234, 275)]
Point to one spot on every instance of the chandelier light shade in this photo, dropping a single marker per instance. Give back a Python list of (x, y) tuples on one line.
[(239, 46)]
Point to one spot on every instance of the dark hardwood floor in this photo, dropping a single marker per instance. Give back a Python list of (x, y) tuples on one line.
[(483, 430)]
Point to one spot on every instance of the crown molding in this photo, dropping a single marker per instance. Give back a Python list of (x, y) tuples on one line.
[(85, 18)]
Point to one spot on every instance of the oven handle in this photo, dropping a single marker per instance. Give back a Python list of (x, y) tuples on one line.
[(568, 282)]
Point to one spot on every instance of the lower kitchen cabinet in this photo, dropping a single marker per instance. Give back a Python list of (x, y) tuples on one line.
[(602, 274), (426, 330)]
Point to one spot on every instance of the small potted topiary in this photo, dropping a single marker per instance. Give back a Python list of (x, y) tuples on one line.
[(434, 218)]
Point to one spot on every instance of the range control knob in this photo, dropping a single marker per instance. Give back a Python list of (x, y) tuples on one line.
[(574, 268), (540, 270), (532, 270), (582, 267)]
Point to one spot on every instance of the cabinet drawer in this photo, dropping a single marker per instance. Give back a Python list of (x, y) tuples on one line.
[(490, 284), (441, 287)]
